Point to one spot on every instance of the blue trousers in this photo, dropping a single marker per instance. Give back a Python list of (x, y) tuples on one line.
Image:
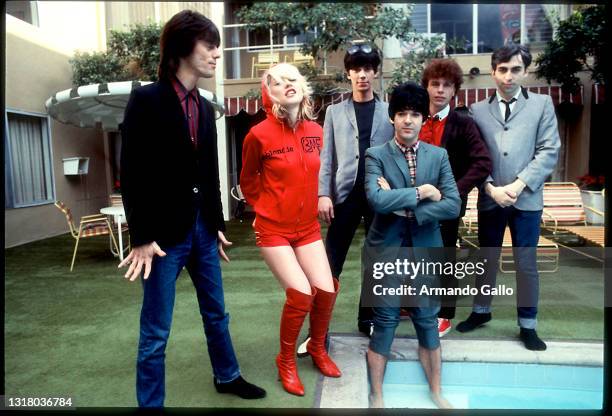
[(198, 252), (525, 232)]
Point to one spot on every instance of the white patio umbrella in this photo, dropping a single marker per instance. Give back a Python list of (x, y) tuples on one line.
[(104, 103)]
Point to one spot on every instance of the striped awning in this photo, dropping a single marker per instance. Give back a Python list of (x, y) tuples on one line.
[(469, 96), (234, 105), (465, 97), (103, 103)]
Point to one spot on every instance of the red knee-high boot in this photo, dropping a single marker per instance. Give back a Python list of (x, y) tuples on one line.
[(320, 315), (296, 307)]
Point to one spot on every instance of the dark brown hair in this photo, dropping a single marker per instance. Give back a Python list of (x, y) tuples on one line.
[(443, 68), (179, 37), (505, 53)]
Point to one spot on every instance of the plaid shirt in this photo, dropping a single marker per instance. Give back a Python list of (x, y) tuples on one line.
[(190, 102), (410, 155)]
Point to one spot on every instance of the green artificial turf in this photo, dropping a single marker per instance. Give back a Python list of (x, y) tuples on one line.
[(76, 333)]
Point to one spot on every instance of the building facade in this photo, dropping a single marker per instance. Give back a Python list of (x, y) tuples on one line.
[(41, 38)]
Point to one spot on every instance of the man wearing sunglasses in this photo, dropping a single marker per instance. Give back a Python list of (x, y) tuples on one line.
[(351, 127)]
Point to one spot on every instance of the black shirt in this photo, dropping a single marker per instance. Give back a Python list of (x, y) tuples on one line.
[(364, 113)]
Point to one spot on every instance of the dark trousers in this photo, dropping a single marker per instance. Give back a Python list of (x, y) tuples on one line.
[(347, 217), (450, 231), (198, 252), (525, 231)]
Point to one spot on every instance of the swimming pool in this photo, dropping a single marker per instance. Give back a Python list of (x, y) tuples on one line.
[(478, 385)]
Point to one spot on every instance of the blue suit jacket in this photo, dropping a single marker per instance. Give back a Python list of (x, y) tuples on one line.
[(389, 229)]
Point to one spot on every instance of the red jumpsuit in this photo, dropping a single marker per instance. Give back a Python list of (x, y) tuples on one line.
[(280, 178)]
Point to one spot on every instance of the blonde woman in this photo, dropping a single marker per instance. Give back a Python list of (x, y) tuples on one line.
[(280, 169)]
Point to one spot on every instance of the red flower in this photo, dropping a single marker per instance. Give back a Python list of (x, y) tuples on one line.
[(592, 181)]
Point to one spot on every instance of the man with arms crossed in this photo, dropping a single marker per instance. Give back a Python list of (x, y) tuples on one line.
[(350, 128), (170, 189), (416, 179), (520, 129)]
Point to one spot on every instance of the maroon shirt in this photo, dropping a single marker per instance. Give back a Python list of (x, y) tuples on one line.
[(190, 102)]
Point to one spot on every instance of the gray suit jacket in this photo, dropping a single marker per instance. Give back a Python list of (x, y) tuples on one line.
[(524, 147), (433, 167), (340, 153)]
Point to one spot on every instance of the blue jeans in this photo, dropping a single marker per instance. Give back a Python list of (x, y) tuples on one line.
[(525, 232), (386, 320), (198, 252)]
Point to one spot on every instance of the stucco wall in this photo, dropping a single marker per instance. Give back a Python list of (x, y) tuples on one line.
[(34, 72)]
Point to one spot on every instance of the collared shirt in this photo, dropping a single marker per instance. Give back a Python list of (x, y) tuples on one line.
[(190, 102), (502, 106), (410, 155), (433, 128)]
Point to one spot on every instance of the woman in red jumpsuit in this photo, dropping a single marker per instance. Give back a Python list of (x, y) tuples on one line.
[(279, 178)]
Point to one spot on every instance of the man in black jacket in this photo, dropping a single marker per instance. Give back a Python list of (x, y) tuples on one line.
[(171, 193), (467, 152)]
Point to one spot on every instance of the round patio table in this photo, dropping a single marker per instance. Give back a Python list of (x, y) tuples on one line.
[(119, 214)]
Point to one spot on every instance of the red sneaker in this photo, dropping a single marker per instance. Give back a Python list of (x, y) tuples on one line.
[(405, 313), (444, 326)]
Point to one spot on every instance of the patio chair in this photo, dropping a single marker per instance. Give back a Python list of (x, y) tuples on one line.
[(547, 255), (116, 200), (264, 61), (593, 233), (299, 59), (562, 206), (236, 193), (547, 250), (89, 226), (470, 219)]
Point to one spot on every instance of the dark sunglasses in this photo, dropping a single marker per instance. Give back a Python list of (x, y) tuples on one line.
[(365, 48)]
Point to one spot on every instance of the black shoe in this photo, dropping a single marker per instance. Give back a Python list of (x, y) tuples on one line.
[(240, 387), (531, 340), (366, 328), (473, 321)]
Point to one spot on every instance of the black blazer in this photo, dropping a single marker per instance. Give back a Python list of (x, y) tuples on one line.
[(467, 152), (160, 167)]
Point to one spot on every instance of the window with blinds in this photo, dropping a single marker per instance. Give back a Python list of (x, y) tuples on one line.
[(419, 17), (28, 162), (455, 21), (539, 22), (497, 24)]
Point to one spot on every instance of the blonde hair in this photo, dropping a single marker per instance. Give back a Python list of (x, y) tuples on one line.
[(288, 71)]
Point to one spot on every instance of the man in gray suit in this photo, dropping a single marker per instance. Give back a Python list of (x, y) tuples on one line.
[(350, 128), (520, 130), (410, 186)]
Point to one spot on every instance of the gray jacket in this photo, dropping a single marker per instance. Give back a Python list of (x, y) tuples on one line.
[(340, 153), (524, 147)]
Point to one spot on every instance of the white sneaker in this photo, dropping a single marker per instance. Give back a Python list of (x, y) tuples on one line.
[(301, 351)]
